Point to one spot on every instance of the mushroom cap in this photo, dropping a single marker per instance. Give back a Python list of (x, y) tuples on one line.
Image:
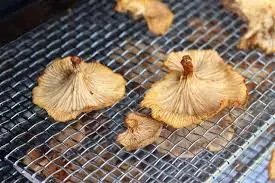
[(260, 16), (141, 132), (157, 15), (135, 7), (70, 86), (181, 101)]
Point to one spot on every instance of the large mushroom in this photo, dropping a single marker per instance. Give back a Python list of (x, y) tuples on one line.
[(260, 15), (70, 86), (157, 15), (199, 86), (141, 132)]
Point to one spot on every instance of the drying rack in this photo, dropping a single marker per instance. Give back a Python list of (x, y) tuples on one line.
[(92, 30)]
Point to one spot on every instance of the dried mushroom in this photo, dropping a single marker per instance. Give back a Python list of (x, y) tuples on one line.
[(260, 15), (187, 142), (46, 165), (271, 167), (67, 138), (199, 86), (157, 15), (141, 132), (70, 86)]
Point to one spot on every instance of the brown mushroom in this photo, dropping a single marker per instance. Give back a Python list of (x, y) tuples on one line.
[(70, 86), (188, 142), (157, 15), (67, 138), (271, 167), (141, 132), (260, 15), (199, 86)]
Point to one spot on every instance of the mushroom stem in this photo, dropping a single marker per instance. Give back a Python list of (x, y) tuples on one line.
[(131, 123), (75, 61), (187, 65)]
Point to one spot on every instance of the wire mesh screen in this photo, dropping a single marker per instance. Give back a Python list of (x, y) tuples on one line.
[(85, 149)]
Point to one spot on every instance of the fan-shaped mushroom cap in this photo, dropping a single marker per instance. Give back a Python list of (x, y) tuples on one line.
[(157, 15), (70, 86), (141, 131), (260, 15), (199, 86)]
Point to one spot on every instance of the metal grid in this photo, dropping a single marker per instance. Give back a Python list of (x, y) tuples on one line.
[(8, 174), (94, 31)]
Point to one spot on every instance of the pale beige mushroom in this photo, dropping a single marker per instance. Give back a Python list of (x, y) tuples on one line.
[(271, 167), (67, 138), (70, 86), (141, 131), (260, 16), (188, 142), (199, 86), (157, 15)]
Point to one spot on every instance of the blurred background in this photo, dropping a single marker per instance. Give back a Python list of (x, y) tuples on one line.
[(20, 16)]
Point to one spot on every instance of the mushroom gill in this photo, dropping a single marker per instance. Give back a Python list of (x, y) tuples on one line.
[(141, 131), (70, 86), (199, 86)]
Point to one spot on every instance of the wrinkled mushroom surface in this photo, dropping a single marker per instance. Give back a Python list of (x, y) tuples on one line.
[(187, 142), (260, 15), (157, 15), (271, 167), (199, 86), (141, 131), (70, 86)]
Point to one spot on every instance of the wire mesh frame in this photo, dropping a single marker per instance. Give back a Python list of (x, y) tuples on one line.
[(92, 30), (8, 174)]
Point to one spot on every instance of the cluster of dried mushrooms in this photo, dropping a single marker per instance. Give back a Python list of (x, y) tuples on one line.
[(260, 15), (199, 86), (157, 15), (70, 86)]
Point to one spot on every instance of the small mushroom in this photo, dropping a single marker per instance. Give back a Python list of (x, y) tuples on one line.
[(157, 15), (141, 132), (199, 86), (70, 86), (271, 167), (188, 142), (260, 15), (67, 138)]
